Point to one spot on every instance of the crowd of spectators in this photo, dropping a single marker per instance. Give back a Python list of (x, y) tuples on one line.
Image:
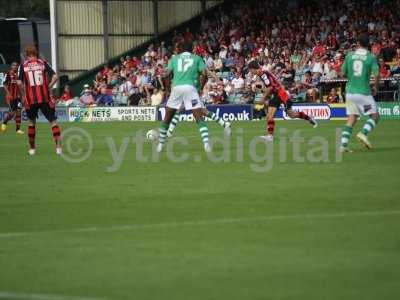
[(301, 42)]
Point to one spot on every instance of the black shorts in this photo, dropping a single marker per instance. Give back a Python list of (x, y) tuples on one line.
[(48, 111), (275, 101), (15, 104)]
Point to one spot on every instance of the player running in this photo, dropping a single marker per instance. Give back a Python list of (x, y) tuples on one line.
[(277, 95), (185, 68), (13, 98), (358, 67), (36, 78)]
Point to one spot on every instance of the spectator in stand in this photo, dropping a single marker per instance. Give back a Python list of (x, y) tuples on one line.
[(309, 83), (104, 98), (157, 97), (384, 69), (146, 84), (218, 64), (238, 83), (288, 75), (274, 35), (86, 98), (333, 96), (67, 98), (396, 70), (128, 90)]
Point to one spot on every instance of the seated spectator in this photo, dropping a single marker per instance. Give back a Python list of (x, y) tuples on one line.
[(157, 97), (384, 69), (396, 69), (333, 97), (311, 86), (66, 98), (146, 83), (86, 98), (238, 83), (104, 98)]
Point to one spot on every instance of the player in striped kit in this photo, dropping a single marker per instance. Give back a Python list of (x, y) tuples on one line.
[(275, 95), (36, 78), (13, 98)]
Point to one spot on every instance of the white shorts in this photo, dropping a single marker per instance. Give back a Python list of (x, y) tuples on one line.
[(358, 104), (186, 95)]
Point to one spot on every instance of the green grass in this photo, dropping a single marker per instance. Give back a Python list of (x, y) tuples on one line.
[(200, 230)]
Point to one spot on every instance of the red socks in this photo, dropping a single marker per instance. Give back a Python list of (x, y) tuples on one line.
[(31, 136), (18, 122), (56, 133), (271, 127)]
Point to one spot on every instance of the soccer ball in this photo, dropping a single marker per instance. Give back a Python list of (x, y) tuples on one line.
[(152, 134)]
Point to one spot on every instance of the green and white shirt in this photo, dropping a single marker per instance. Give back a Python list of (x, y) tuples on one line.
[(186, 68), (358, 67)]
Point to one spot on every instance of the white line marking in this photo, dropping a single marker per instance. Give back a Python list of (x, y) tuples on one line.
[(205, 222), (25, 296)]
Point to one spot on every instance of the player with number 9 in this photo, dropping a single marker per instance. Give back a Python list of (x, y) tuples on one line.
[(358, 67)]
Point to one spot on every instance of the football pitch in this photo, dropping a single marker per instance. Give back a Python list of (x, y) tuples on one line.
[(183, 226)]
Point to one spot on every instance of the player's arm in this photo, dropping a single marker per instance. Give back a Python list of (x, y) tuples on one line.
[(20, 81), (51, 74), (5, 83), (167, 72), (166, 76), (204, 73), (377, 76)]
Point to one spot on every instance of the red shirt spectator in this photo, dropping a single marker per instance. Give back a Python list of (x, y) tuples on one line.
[(319, 49), (384, 69), (67, 94), (376, 48), (337, 64)]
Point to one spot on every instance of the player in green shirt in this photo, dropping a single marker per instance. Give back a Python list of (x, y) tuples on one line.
[(358, 67), (186, 69)]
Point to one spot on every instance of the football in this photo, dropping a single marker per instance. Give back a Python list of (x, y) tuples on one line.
[(152, 134)]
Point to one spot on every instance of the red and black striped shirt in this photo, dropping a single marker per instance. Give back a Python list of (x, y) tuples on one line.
[(10, 83), (36, 73), (270, 80)]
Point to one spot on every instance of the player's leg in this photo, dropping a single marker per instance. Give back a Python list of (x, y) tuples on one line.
[(270, 110), (203, 128), (213, 116), (347, 131), (50, 113), (270, 120), (174, 102), (10, 115), (370, 108), (173, 124), (299, 114), (353, 113), (32, 113), (169, 114), (192, 102), (18, 118)]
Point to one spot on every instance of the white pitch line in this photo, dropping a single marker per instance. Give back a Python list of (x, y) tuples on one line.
[(25, 296), (205, 223)]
